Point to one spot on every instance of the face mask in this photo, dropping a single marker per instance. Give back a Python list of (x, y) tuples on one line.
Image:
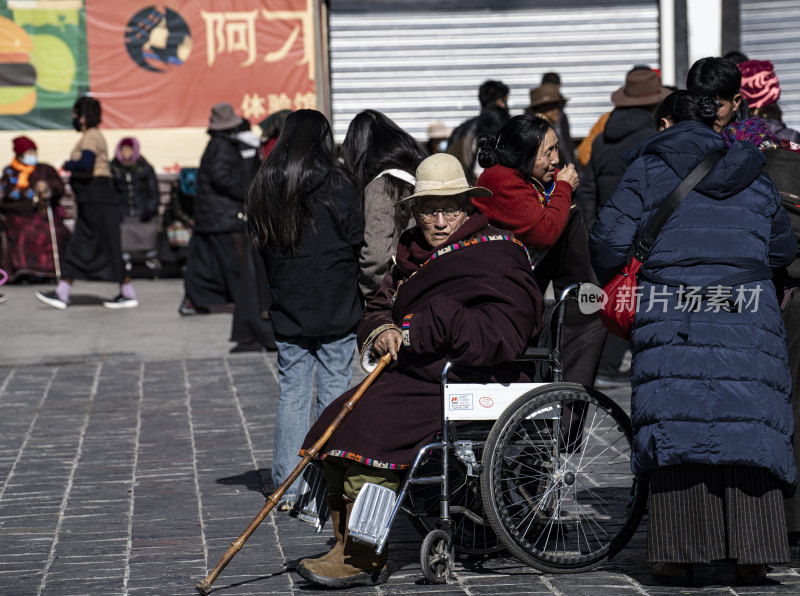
[(76, 124), (29, 159)]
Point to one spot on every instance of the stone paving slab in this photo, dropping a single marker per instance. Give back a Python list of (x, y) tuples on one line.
[(122, 475)]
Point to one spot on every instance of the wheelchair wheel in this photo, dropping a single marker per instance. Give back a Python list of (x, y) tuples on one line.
[(471, 532), (436, 557), (557, 485)]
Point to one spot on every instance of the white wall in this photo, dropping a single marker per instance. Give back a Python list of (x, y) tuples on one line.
[(163, 148), (666, 9), (704, 21)]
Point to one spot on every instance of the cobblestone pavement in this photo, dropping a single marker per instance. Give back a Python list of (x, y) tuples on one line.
[(125, 476)]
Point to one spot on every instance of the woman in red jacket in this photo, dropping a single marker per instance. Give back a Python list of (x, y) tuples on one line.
[(533, 199)]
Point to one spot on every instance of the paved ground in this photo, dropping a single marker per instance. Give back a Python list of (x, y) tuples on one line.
[(134, 449)]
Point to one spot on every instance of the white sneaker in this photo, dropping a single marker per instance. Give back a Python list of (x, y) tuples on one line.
[(120, 301), (51, 299)]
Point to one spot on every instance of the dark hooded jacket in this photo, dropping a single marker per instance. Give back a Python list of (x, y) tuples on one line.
[(625, 128), (710, 386), (222, 179), (136, 185)]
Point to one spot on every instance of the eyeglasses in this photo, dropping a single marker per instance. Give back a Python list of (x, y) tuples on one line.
[(450, 214)]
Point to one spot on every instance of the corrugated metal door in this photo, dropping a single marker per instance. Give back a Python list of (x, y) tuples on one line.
[(770, 31), (419, 61)]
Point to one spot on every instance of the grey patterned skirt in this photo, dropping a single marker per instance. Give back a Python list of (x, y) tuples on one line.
[(702, 513)]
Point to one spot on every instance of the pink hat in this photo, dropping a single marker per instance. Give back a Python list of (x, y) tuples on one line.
[(760, 86)]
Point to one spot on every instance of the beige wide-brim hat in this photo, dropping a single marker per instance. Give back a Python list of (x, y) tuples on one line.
[(441, 175)]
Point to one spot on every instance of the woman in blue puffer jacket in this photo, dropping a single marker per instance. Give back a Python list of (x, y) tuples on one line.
[(711, 414)]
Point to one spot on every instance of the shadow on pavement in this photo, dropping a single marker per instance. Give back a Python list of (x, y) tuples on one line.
[(255, 480)]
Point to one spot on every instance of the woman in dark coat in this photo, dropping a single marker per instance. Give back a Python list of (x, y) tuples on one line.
[(94, 250), (710, 405), (461, 290), (136, 186), (218, 242), (25, 186), (134, 181), (305, 216)]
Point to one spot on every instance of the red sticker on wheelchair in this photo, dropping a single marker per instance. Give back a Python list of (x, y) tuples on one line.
[(461, 401)]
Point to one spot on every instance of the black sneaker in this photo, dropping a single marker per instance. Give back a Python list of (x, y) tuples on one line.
[(51, 299), (2, 298), (120, 301), (187, 309)]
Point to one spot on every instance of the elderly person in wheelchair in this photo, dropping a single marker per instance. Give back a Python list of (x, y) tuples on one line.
[(460, 290)]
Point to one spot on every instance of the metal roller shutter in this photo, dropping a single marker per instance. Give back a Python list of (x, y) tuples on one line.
[(769, 31), (419, 61)]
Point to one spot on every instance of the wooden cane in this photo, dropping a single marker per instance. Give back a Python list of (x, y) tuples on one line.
[(53, 240), (204, 587)]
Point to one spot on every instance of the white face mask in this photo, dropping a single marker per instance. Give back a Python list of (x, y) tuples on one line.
[(29, 159)]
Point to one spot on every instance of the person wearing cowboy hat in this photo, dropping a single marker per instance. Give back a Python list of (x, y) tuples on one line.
[(213, 265), (460, 290), (547, 102), (630, 122)]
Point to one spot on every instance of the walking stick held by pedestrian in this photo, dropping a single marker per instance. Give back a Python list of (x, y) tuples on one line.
[(44, 199), (204, 587)]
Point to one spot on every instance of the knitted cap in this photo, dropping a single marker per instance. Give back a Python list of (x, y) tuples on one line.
[(760, 86), (22, 144)]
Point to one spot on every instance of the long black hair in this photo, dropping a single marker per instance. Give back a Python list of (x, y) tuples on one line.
[(515, 145), (277, 200), (374, 143), (687, 105)]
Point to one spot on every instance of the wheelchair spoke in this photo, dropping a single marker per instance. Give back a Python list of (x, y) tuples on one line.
[(558, 490)]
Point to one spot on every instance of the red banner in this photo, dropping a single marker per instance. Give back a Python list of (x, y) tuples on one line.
[(166, 65)]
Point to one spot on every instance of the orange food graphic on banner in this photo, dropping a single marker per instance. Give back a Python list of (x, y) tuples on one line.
[(17, 74)]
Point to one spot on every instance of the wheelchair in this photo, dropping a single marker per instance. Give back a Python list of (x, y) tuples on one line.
[(540, 469)]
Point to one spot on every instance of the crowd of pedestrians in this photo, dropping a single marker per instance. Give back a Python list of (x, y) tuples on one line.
[(322, 254)]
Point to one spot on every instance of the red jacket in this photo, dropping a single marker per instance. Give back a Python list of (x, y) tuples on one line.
[(515, 206)]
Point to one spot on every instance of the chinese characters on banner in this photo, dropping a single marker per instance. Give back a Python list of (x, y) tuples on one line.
[(155, 65)]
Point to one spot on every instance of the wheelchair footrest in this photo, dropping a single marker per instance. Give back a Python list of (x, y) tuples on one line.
[(372, 514), (311, 506)]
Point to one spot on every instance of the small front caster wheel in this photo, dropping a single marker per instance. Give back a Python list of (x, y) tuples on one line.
[(436, 557)]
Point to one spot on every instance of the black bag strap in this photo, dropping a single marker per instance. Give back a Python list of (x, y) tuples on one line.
[(648, 237)]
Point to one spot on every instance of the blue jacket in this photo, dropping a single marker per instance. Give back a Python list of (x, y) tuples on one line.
[(709, 386)]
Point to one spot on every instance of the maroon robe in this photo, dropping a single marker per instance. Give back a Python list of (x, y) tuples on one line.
[(477, 304), (27, 248)]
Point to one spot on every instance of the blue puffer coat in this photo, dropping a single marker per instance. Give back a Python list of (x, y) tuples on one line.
[(709, 386)]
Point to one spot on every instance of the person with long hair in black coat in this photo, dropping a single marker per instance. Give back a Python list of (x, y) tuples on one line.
[(304, 214), (382, 158)]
